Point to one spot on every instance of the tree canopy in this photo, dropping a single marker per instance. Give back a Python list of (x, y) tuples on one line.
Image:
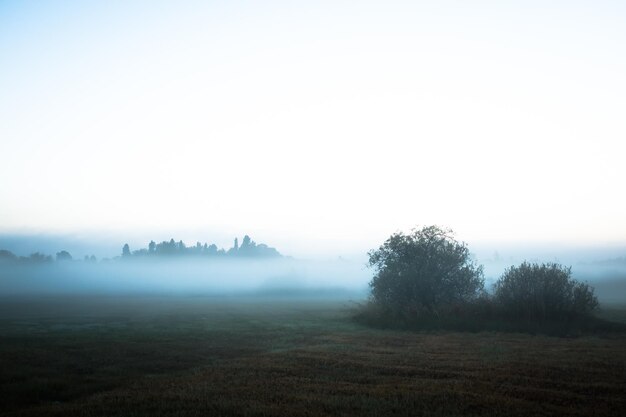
[(421, 271), (248, 248)]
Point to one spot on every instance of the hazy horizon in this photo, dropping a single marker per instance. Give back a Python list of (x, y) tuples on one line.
[(108, 245), (318, 129), (323, 276)]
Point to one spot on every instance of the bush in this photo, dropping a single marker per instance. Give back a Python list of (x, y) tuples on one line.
[(543, 292), (423, 273)]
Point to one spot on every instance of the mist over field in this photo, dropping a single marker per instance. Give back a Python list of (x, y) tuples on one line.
[(188, 276), (319, 275)]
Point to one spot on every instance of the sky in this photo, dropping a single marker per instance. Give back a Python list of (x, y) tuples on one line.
[(314, 126)]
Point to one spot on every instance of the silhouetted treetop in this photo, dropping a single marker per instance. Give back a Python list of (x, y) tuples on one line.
[(36, 258), (171, 248), (7, 256), (164, 249), (64, 256)]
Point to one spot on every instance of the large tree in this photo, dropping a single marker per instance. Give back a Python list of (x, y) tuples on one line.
[(419, 272)]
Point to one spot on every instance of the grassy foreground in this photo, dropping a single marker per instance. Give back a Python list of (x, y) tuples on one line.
[(146, 356)]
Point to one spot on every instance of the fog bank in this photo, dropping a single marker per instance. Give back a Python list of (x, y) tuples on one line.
[(215, 276)]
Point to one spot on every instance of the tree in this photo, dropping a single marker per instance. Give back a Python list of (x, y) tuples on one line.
[(420, 272), (235, 249), (7, 256), (247, 247), (126, 250), (211, 249), (64, 256), (37, 258), (543, 291), (246, 242)]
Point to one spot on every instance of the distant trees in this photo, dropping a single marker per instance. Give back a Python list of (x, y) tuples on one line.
[(247, 245), (163, 249), (64, 256), (248, 248), (33, 258), (166, 248), (140, 252), (211, 250), (7, 256), (37, 258)]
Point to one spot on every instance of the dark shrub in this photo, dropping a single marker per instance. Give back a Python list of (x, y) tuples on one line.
[(543, 291)]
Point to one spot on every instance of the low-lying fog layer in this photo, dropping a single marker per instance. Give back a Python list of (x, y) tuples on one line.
[(284, 276), (186, 276)]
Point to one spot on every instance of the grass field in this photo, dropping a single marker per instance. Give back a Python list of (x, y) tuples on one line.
[(188, 356)]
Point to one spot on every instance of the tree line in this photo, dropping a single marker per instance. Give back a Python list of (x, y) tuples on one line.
[(248, 248), (165, 249)]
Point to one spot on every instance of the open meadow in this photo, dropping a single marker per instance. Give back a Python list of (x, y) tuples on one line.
[(187, 356)]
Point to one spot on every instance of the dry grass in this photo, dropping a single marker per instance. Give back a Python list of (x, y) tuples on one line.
[(146, 357)]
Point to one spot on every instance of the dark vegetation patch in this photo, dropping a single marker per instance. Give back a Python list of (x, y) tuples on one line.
[(473, 318), (426, 280)]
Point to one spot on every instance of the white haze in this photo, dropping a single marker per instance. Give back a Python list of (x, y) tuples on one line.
[(314, 125), (282, 276), (604, 269)]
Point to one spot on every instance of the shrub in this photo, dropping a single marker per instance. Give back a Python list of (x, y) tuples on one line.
[(543, 291)]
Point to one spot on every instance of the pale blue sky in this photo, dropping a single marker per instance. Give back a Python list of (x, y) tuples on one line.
[(310, 123)]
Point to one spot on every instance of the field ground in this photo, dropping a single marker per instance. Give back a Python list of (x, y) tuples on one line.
[(188, 356)]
